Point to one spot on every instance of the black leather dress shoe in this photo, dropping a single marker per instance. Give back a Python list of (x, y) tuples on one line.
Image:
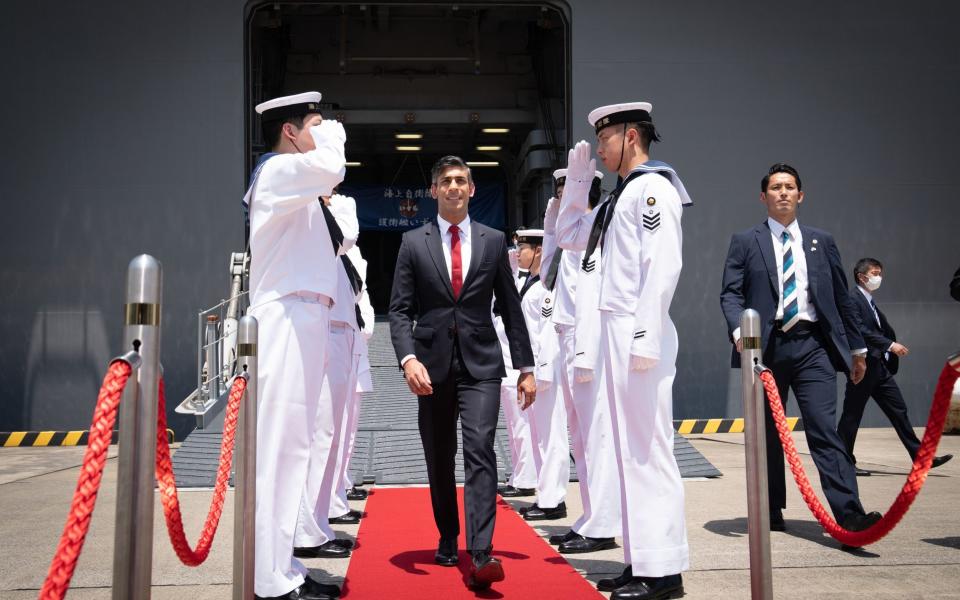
[(861, 472), (351, 518), (486, 570), (776, 520), (608, 585), (535, 513), (330, 549), (508, 491), (309, 590), (356, 493), (860, 522), (939, 460), (582, 544), (343, 543), (650, 588), (560, 538), (446, 552)]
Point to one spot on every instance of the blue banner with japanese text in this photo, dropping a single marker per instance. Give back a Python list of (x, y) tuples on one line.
[(399, 207)]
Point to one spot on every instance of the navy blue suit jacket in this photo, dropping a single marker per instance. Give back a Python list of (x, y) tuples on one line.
[(878, 337), (424, 316), (750, 280)]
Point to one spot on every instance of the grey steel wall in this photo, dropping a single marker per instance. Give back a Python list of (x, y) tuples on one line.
[(124, 135)]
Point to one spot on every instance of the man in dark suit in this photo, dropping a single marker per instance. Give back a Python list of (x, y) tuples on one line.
[(792, 276), (448, 272), (883, 361)]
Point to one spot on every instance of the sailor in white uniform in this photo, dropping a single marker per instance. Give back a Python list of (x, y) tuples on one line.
[(293, 283), (314, 538), (526, 262), (639, 229), (549, 419), (343, 489), (588, 413)]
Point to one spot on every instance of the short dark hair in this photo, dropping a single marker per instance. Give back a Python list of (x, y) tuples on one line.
[(863, 265), (780, 168), (648, 133), (447, 162), (272, 129)]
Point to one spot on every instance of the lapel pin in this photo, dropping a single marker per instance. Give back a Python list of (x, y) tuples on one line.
[(814, 241)]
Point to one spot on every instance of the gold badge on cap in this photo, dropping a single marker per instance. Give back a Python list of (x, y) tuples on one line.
[(651, 201)]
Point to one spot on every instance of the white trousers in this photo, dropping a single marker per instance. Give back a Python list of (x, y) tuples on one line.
[(292, 348), (339, 505), (551, 452), (524, 473), (641, 407), (339, 384), (591, 436)]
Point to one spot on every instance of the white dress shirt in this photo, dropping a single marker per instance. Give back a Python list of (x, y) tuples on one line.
[(465, 246), (806, 310)]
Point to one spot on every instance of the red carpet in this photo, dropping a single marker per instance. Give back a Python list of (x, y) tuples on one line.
[(397, 540)]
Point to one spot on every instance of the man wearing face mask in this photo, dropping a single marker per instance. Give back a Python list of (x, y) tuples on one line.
[(883, 360)]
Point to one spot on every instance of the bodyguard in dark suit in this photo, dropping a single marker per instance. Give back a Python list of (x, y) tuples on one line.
[(883, 361), (792, 276), (448, 272)]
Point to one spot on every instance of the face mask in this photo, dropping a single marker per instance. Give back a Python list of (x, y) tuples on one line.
[(873, 282)]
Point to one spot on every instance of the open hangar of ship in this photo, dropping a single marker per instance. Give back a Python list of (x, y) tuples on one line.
[(130, 129)]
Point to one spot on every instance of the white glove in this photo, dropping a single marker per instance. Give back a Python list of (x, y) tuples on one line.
[(582, 374), (513, 255), (332, 131), (550, 216), (642, 363), (580, 167)]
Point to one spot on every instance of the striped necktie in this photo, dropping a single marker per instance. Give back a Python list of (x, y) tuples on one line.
[(791, 308)]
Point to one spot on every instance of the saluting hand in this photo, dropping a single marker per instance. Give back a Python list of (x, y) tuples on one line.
[(418, 380), (526, 390)]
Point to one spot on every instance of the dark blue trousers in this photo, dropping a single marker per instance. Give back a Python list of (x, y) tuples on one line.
[(879, 384), (800, 362)]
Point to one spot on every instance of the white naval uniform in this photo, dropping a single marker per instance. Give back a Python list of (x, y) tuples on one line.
[(549, 412), (339, 504), (524, 473), (588, 416), (339, 385), (640, 267), (292, 285)]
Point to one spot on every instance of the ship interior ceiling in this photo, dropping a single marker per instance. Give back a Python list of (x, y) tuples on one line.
[(412, 83)]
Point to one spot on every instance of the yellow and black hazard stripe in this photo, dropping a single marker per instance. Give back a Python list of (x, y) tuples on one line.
[(21, 439), (689, 426)]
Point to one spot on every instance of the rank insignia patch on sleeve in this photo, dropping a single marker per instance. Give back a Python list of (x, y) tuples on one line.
[(651, 221)]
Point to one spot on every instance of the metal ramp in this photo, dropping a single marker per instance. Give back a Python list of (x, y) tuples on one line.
[(388, 449)]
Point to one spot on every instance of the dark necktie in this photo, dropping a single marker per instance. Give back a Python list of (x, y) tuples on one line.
[(456, 265), (605, 216), (552, 270), (791, 303), (356, 283), (336, 234), (876, 312)]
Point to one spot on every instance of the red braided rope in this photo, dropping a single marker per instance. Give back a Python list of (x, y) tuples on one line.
[(915, 480), (88, 483), (168, 486)]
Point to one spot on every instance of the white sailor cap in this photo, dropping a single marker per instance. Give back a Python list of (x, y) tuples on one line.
[(296, 105), (614, 114), (560, 176), (529, 236)]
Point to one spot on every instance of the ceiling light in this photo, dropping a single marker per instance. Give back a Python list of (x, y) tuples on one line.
[(408, 136), (488, 148), (354, 164), (495, 130), (409, 148), (483, 163)]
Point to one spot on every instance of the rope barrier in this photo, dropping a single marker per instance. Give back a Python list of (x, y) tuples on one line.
[(88, 483), (915, 480), (168, 486)]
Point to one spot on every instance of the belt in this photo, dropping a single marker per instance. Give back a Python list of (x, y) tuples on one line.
[(799, 327), (313, 298)]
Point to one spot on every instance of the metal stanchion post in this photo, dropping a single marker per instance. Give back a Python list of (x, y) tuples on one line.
[(758, 503), (133, 540), (245, 479)]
